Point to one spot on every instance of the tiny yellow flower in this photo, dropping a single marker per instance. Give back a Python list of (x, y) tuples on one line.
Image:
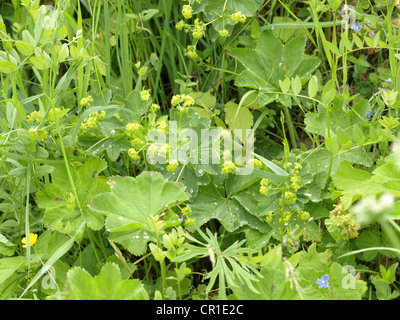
[(172, 166), (145, 95), (190, 222), (154, 107), (238, 17), (187, 211), (133, 154), (198, 31), (180, 25), (228, 167), (223, 33), (191, 52), (187, 11), (32, 240), (132, 126)]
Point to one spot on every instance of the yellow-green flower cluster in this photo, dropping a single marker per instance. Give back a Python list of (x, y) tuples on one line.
[(153, 149), (187, 11), (303, 215), (51, 113), (191, 52), (32, 132), (145, 95), (228, 167), (288, 199), (132, 127), (343, 225), (41, 134), (186, 212), (163, 126), (295, 180), (285, 217), (199, 28), (92, 120), (133, 154), (182, 100), (172, 166), (223, 33), (164, 149), (270, 216), (154, 107), (238, 17), (137, 143), (256, 163), (264, 186), (190, 222), (180, 25), (85, 101), (35, 116)]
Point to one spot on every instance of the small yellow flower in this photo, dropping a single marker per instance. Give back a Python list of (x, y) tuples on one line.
[(190, 222), (191, 52), (133, 154), (145, 95), (172, 166), (228, 167), (297, 166), (187, 11), (198, 31), (32, 240), (31, 132), (223, 33), (154, 107), (35, 116), (180, 25), (187, 211), (131, 127), (238, 17)]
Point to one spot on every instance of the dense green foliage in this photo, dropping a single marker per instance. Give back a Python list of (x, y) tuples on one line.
[(95, 205)]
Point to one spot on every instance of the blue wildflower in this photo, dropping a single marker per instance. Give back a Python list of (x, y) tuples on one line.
[(389, 81), (356, 27), (368, 115), (323, 282)]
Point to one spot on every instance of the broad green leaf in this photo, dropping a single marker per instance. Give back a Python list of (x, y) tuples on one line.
[(270, 62), (285, 85), (10, 265), (296, 84), (328, 93), (48, 243), (286, 33), (106, 286), (210, 204), (132, 201), (62, 210), (353, 182), (7, 67), (313, 87), (368, 239), (238, 118), (24, 48), (343, 285), (332, 145), (39, 63)]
